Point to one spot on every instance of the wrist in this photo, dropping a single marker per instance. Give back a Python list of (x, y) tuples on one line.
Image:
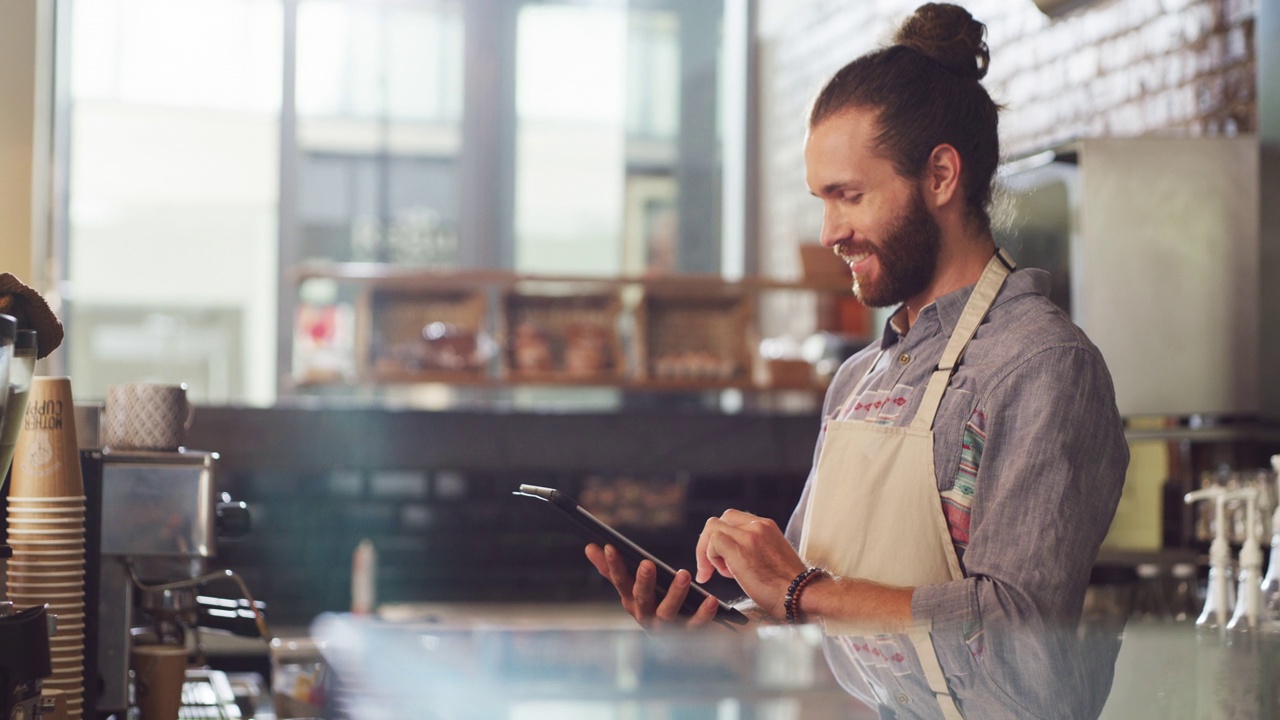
[(791, 601)]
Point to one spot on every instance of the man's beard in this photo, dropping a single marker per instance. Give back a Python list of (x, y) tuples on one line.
[(907, 256)]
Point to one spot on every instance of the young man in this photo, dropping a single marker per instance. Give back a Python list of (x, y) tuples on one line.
[(970, 462)]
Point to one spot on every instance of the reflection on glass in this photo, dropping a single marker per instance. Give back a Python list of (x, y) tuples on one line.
[(582, 664), (591, 661)]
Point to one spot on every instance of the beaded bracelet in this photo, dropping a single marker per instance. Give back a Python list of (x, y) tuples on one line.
[(791, 603)]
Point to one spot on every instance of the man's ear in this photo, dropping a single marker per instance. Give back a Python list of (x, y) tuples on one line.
[(942, 176)]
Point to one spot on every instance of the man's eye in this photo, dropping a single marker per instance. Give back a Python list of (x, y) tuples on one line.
[(853, 198)]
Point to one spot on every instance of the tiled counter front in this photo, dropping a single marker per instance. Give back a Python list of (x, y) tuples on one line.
[(433, 491)]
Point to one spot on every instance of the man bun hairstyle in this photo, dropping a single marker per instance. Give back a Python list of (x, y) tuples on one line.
[(949, 35), (926, 91)]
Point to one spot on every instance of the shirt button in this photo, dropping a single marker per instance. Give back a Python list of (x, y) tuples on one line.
[(904, 358), (903, 699)]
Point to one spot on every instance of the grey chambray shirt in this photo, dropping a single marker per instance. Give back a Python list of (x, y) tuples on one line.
[(1030, 458)]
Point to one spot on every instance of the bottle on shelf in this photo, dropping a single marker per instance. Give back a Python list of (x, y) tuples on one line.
[(1269, 610), (1249, 594), (1219, 597), (1222, 669)]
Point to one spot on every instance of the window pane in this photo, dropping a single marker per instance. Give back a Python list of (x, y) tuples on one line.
[(173, 186), (379, 101), (571, 138), (601, 149)]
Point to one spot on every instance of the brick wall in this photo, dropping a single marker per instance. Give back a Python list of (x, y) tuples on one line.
[(1110, 68)]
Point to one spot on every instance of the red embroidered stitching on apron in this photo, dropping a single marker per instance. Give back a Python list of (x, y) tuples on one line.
[(899, 401), (879, 406)]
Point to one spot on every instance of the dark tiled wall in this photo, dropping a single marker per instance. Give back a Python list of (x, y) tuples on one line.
[(433, 491)]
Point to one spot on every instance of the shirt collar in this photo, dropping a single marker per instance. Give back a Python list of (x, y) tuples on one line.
[(1026, 281)]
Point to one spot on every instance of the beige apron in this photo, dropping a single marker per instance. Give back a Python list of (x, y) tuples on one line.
[(874, 510)]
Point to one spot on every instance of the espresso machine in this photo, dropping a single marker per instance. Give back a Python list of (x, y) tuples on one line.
[(159, 524)]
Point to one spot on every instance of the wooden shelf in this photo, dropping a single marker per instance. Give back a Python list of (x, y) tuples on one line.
[(671, 333)]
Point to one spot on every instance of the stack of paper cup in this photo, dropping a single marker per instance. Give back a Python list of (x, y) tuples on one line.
[(46, 530)]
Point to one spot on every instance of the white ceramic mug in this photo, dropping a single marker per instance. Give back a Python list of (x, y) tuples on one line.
[(146, 416)]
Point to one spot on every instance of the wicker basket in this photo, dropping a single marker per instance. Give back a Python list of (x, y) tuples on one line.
[(562, 337), (697, 338), (419, 333)]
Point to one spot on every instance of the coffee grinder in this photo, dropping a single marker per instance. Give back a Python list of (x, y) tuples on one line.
[(160, 523), (24, 659)]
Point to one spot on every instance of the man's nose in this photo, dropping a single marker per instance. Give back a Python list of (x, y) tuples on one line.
[(834, 230)]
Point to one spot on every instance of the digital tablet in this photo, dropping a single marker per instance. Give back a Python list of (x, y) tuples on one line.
[(598, 532)]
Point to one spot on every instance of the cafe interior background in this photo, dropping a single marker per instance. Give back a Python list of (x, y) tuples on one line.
[(254, 197)]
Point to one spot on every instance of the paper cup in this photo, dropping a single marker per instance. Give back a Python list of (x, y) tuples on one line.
[(50, 599), (46, 521), (28, 579), (40, 556), (40, 585), (71, 513), (40, 533), (69, 650), (46, 461), (45, 516), (64, 569), (30, 582), (70, 565), (51, 595), (50, 501), (159, 673)]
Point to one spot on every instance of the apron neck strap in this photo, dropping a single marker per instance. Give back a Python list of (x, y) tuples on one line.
[(980, 301)]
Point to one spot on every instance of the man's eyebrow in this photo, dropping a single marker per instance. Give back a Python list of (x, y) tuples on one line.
[(832, 188)]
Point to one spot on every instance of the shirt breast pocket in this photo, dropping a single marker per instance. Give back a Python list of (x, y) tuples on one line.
[(956, 413)]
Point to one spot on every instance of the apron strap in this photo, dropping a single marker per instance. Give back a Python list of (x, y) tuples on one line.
[(933, 673), (980, 301)]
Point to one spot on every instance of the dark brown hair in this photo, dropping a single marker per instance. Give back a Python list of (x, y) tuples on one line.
[(926, 91)]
